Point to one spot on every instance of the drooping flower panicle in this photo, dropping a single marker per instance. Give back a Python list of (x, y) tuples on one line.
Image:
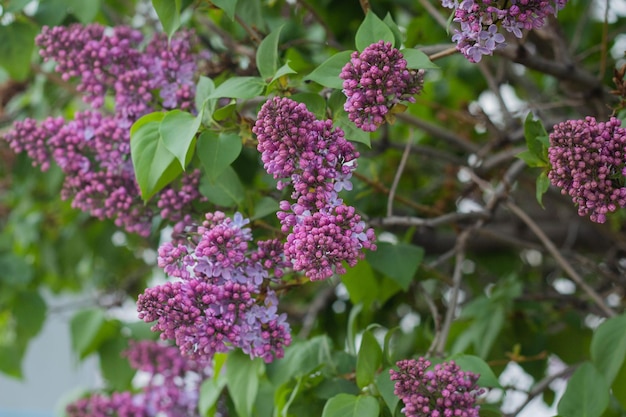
[(374, 81), (443, 391), (588, 163), (317, 161)]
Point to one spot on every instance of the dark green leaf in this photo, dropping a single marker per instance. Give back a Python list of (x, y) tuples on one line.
[(399, 262), (242, 380), (239, 87), (89, 329), (608, 347), (11, 360), (115, 367), (314, 103), (346, 405), (226, 190), (17, 41), (397, 35), (178, 131), (586, 395), (386, 387), (264, 207), (210, 391), (368, 360), (327, 74), (533, 129), (228, 6), (217, 152), (267, 54), (85, 11), (155, 166), (371, 31), (619, 386), (169, 14), (361, 284), (416, 59), (29, 310)]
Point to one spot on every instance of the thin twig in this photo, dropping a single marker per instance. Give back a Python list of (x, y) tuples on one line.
[(534, 227), (448, 218), (396, 179), (443, 54)]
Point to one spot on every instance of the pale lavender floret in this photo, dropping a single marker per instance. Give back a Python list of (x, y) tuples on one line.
[(443, 391), (588, 163), (479, 19), (374, 81)]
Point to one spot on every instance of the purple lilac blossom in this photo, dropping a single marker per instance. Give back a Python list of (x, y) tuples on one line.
[(172, 389), (317, 161), (93, 149), (478, 19), (588, 164), (223, 299), (374, 81), (443, 391)]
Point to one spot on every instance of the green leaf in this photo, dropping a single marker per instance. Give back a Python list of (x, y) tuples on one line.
[(352, 133), (478, 366), (205, 105), (155, 166), (217, 152), (399, 262), (608, 347), (242, 380), (361, 284), (115, 367), (372, 30), (300, 360), (267, 54), (85, 11), (226, 190), (178, 131), (17, 41), (228, 6), (13, 6), (29, 310), (619, 386), (346, 405), (532, 160), (314, 103), (88, 330), (416, 59), (385, 387), (542, 185), (210, 391), (11, 360), (264, 207), (391, 24), (532, 130), (586, 395), (327, 74), (239, 87), (284, 70), (169, 14), (369, 359), (352, 328)]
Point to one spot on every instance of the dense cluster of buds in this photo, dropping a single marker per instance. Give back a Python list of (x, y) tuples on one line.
[(223, 299), (443, 391), (588, 164), (375, 80), (317, 162), (479, 20), (172, 388), (93, 149)]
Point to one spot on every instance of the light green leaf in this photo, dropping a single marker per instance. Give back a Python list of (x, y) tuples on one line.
[(534, 129), (225, 191), (217, 152), (399, 262), (386, 387), (532, 160), (542, 185), (369, 359), (178, 131), (372, 30), (608, 347), (351, 132), (586, 395), (85, 11), (242, 380), (478, 366), (204, 88), (228, 6), (210, 391), (11, 360), (267, 54), (13, 6), (361, 284), (89, 329), (300, 359), (284, 70), (352, 328), (346, 405), (17, 41), (327, 74), (314, 103), (416, 59), (239, 87), (169, 14), (155, 166), (391, 24), (264, 207)]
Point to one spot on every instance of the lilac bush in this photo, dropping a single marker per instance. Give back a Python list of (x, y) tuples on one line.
[(587, 159), (443, 391), (375, 80), (223, 299)]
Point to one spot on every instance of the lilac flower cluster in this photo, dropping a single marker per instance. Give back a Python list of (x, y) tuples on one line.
[(93, 149), (374, 81), (588, 161), (172, 389), (479, 20), (444, 391), (223, 299), (317, 161)]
